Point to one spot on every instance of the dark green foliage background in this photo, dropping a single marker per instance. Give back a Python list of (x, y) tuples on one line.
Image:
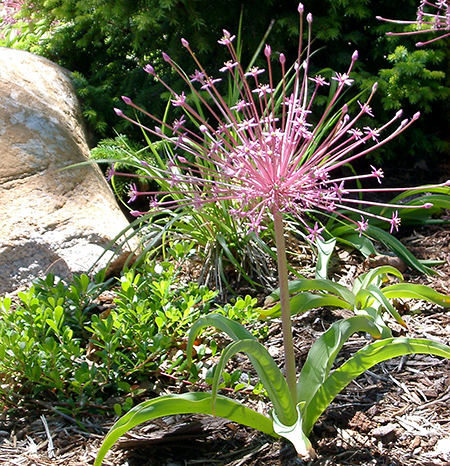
[(106, 44)]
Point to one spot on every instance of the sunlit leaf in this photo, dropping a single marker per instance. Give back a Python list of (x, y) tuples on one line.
[(185, 403), (363, 360)]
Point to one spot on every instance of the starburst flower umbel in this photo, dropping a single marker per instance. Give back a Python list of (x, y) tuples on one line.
[(431, 17), (262, 152)]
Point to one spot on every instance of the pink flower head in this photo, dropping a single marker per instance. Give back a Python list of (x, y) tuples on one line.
[(254, 72), (227, 38), (395, 222), (315, 233), (198, 76), (270, 151), (178, 100), (134, 193), (343, 79), (320, 81), (150, 70), (229, 65), (363, 225), (377, 173)]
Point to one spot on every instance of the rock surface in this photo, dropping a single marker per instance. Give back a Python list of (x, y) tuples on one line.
[(50, 220)]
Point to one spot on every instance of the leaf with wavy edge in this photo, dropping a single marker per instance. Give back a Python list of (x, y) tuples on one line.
[(366, 279), (232, 328), (269, 374), (305, 301), (295, 286), (323, 353), (363, 360), (185, 403)]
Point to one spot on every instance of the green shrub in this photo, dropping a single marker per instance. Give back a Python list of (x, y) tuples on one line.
[(55, 346)]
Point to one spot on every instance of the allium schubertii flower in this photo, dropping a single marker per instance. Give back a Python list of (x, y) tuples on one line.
[(266, 157)]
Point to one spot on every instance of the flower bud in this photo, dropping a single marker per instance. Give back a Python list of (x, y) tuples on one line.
[(127, 100), (184, 43), (267, 51), (374, 87), (300, 8), (399, 113), (427, 205), (355, 55), (150, 70), (309, 18), (118, 112), (166, 57), (282, 58), (416, 116)]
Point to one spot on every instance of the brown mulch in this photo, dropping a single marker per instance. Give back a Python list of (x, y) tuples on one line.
[(395, 414)]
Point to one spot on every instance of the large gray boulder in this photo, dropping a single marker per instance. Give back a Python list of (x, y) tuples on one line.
[(50, 220)]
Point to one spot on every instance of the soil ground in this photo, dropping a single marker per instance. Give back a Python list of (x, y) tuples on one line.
[(395, 414)]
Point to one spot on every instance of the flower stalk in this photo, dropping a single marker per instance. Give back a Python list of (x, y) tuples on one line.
[(286, 320), (431, 17)]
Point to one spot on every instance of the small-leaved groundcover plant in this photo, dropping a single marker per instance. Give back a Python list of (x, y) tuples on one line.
[(55, 347), (267, 157)]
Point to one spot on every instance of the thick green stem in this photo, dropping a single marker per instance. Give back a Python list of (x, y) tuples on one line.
[(289, 355)]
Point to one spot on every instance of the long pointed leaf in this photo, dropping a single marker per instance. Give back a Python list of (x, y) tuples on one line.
[(232, 328), (183, 404), (378, 294), (363, 360), (270, 375), (410, 290), (303, 302), (295, 286), (368, 278), (398, 249), (323, 353)]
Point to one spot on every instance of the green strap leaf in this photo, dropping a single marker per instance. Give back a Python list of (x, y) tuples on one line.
[(363, 360), (366, 279), (348, 236), (378, 294), (323, 353), (233, 329), (270, 375), (296, 286), (325, 250), (295, 435), (398, 249), (303, 302), (410, 290), (185, 403)]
